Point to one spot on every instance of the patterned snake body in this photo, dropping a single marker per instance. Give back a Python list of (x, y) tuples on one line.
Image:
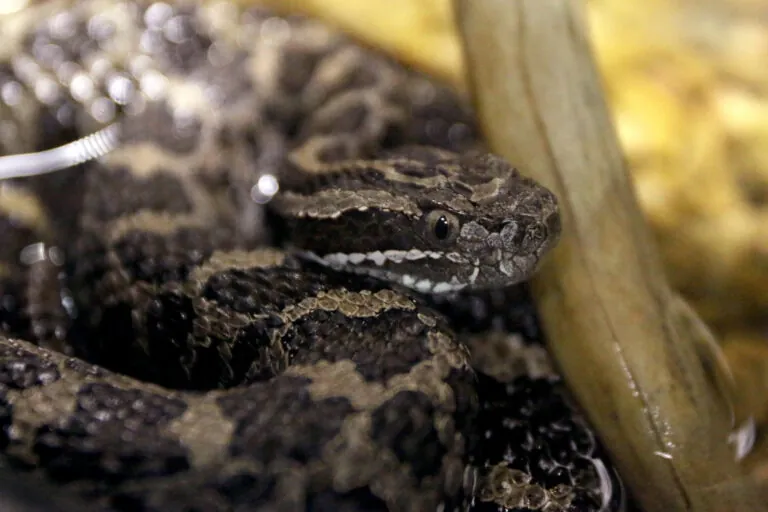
[(224, 373)]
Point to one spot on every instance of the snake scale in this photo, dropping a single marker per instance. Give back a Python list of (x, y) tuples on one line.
[(178, 336)]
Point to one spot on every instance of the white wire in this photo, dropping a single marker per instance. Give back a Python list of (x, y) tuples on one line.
[(77, 152)]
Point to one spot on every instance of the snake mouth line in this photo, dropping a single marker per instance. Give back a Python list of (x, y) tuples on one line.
[(353, 263), (392, 255), (427, 286)]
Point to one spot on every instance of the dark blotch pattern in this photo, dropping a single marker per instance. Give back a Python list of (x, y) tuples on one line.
[(352, 501), (205, 491), (30, 492), (262, 290), (332, 336), (168, 325), (12, 318), (257, 290), (162, 258), (280, 420), (248, 487), (511, 310), (405, 424), (6, 417), (443, 122), (323, 236), (174, 495), (161, 192), (94, 442)]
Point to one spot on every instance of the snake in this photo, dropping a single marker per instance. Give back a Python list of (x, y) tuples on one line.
[(296, 282)]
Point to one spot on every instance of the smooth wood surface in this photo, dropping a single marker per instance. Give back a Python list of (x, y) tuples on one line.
[(639, 361)]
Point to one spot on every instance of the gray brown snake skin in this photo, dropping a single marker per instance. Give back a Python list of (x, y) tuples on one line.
[(224, 373)]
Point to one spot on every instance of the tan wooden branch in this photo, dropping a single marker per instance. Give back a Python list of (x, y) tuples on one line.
[(635, 356)]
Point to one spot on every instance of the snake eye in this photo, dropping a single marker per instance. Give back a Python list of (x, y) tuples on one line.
[(442, 226)]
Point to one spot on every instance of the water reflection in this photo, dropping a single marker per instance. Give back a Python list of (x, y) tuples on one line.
[(744, 437), (611, 488), (743, 432)]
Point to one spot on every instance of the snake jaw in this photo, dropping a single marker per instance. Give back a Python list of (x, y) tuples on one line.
[(437, 272), (418, 270)]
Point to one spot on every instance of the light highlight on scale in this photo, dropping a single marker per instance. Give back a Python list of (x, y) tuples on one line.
[(264, 189)]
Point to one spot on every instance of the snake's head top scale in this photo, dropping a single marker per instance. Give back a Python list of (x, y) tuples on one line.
[(431, 220)]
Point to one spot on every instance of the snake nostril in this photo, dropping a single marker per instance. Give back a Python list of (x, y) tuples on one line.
[(554, 225)]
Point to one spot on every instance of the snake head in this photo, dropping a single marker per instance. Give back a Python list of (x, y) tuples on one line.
[(428, 219)]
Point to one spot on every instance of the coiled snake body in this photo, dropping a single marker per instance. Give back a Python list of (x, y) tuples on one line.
[(224, 373)]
